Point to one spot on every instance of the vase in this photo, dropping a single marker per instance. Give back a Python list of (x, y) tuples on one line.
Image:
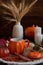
[(17, 31)]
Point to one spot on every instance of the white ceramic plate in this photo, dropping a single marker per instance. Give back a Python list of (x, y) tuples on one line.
[(23, 63)]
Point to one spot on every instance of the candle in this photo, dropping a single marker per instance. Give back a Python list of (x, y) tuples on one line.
[(38, 30), (38, 38)]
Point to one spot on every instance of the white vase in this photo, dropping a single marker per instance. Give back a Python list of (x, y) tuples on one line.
[(17, 31)]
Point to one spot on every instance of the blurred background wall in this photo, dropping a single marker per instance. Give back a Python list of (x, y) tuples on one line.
[(35, 16)]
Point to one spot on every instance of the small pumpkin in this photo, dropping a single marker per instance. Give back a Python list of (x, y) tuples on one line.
[(4, 52), (29, 31)]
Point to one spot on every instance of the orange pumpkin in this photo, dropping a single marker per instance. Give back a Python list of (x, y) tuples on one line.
[(4, 52), (17, 47), (29, 31)]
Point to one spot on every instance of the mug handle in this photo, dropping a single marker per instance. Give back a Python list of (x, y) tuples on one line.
[(27, 43)]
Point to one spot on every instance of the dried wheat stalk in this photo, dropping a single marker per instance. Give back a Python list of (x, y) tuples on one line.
[(16, 12), (27, 9)]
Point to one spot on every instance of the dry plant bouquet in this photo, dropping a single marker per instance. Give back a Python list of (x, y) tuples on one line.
[(17, 11)]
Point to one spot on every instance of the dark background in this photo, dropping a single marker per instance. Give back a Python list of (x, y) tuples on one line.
[(35, 16)]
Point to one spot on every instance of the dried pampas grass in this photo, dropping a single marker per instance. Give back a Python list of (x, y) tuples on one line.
[(16, 12)]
